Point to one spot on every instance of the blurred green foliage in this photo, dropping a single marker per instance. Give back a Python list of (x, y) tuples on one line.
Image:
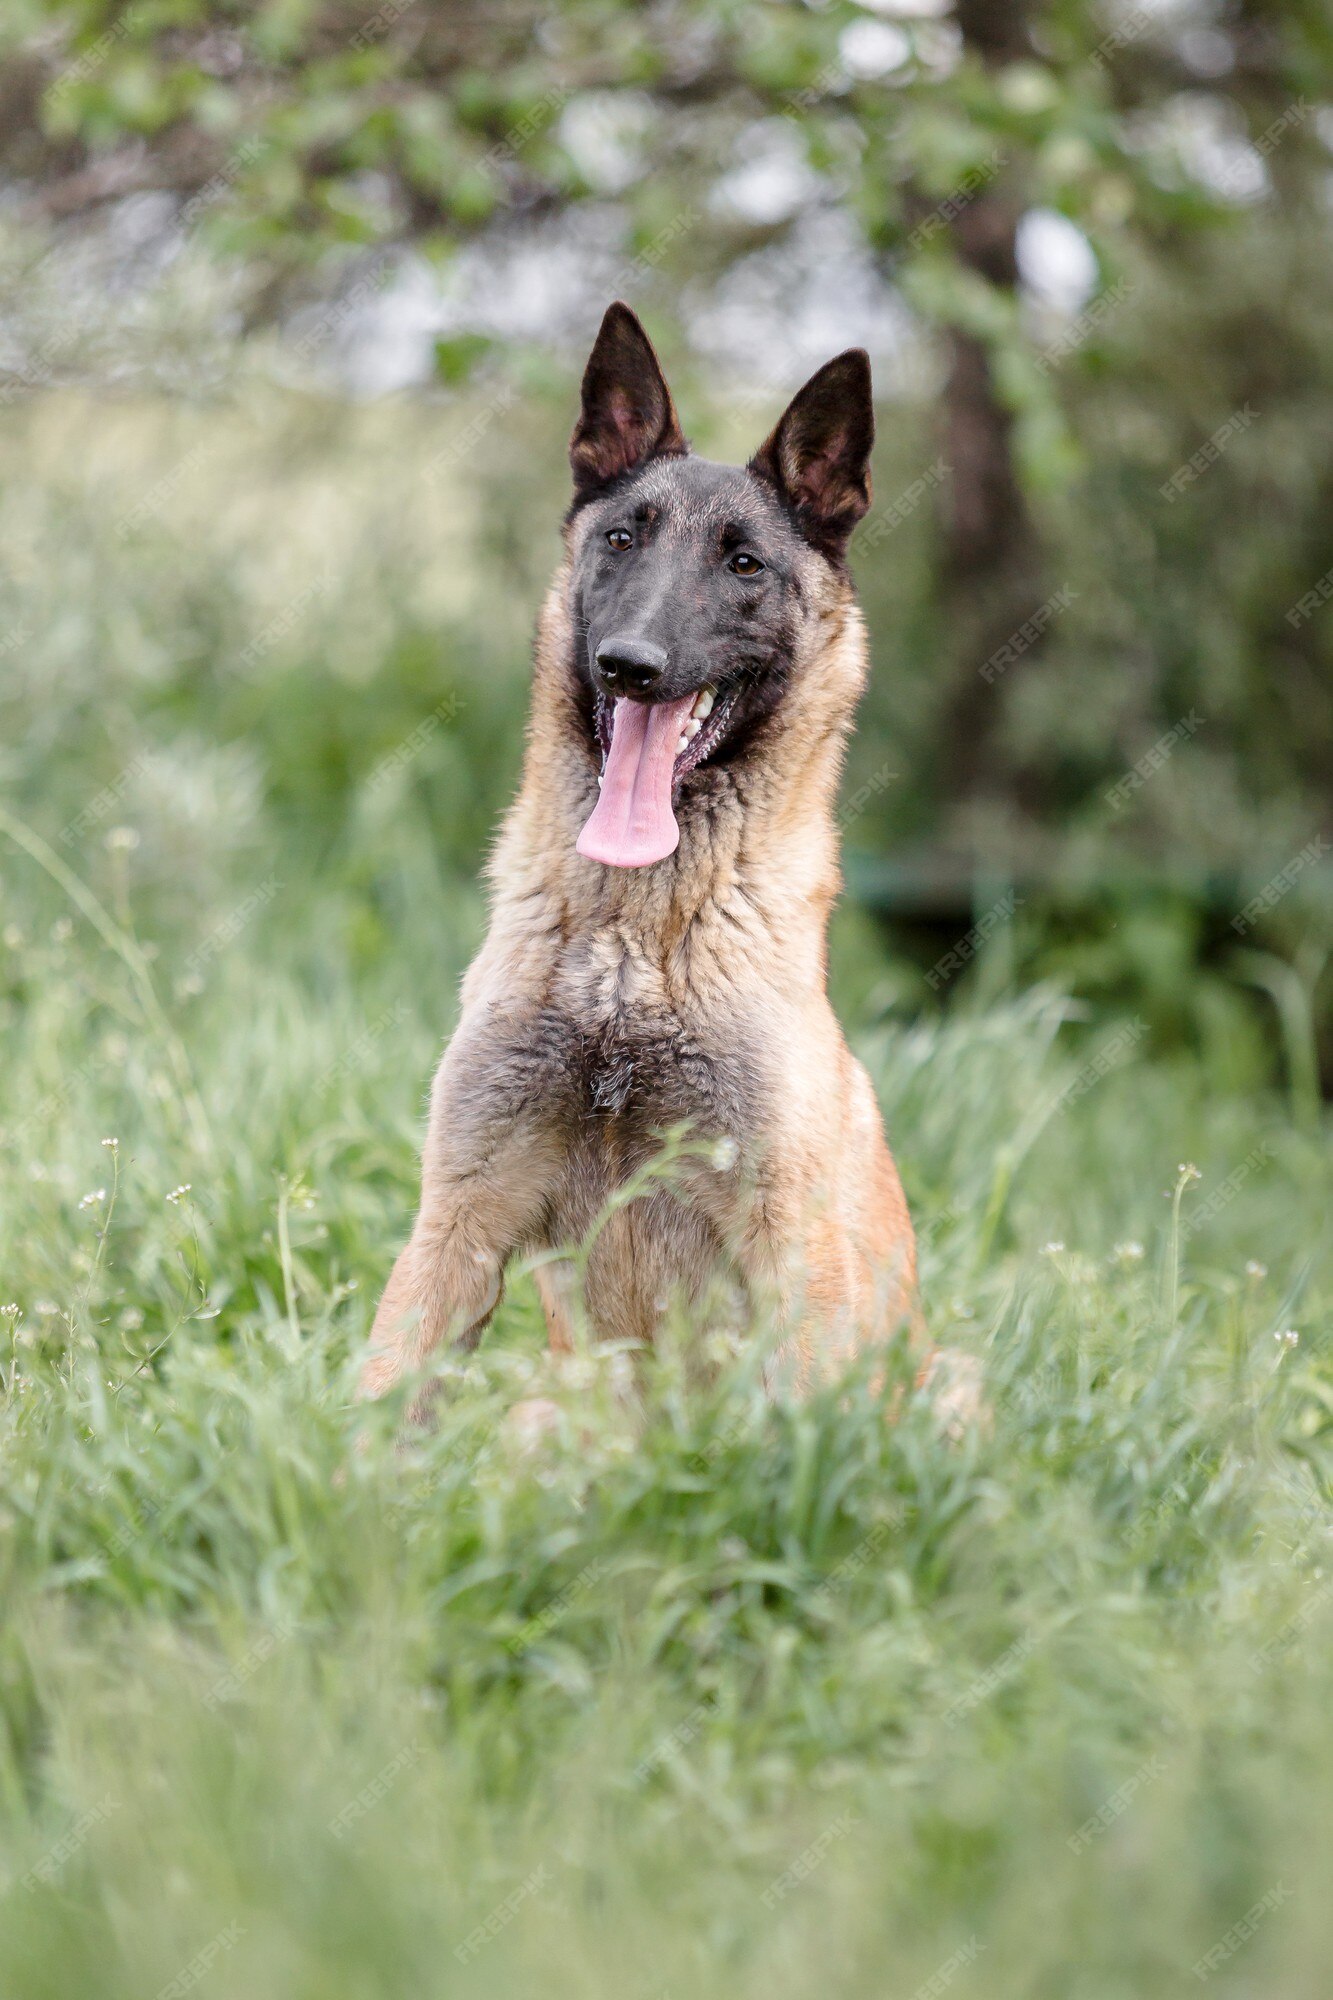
[(308, 146)]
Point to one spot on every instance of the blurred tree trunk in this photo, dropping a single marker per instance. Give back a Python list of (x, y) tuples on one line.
[(990, 563)]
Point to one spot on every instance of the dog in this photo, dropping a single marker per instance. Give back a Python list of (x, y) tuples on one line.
[(661, 887)]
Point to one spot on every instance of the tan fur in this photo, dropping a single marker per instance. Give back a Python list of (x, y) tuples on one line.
[(718, 950)]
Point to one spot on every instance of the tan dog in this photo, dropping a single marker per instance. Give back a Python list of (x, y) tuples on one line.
[(661, 891)]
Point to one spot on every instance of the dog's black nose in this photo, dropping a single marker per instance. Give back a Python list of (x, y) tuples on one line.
[(630, 666)]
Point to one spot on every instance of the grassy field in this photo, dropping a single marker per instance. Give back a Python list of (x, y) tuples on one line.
[(725, 1699)]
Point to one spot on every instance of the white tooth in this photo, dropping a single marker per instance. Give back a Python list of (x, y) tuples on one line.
[(690, 729), (703, 703), (680, 745)]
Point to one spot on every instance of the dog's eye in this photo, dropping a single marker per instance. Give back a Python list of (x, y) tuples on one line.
[(745, 564), (620, 539)]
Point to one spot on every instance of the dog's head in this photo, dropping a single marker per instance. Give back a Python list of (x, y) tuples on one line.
[(696, 589)]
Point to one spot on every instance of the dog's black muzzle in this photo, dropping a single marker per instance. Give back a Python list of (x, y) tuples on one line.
[(628, 666)]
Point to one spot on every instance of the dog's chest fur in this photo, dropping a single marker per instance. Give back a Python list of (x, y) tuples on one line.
[(647, 1076), (608, 1092), (641, 1058)]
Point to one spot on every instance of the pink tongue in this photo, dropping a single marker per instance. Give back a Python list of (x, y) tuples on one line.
[(632, 824)]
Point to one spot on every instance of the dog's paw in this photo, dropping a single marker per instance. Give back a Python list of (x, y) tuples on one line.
[(380, 1372), (953, 1381), (531, 1421)]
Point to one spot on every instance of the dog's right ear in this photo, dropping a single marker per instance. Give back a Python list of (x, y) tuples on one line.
[(628, 415)]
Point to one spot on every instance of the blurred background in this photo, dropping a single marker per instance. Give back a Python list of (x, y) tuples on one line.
[(295, 298)]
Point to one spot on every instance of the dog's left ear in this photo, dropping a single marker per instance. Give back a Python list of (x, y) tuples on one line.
[(628, 415), (818, 458)]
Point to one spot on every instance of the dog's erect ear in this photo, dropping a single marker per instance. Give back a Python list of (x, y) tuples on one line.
[(628, 415), (819, 456)]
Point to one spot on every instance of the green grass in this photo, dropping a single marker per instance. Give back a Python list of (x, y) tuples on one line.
[(731, 1699)]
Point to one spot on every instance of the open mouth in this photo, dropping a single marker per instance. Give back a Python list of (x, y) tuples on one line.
[(701, 732), (647, 748)]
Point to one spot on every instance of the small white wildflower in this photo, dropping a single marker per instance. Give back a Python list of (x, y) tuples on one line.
[(1051, 1249), (1254, 1270), (112, 1143), (91, 1199), (725, 1153), (177, 1193), (121, 838), (1128, 1253), (1188, 1171), (131, 1319), (1289, 1337), (62, 930)]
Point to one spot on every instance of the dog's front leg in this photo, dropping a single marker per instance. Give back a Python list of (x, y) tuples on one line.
[(489, 1164)]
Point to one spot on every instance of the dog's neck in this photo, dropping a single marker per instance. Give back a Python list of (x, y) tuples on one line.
[(758, 837)]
